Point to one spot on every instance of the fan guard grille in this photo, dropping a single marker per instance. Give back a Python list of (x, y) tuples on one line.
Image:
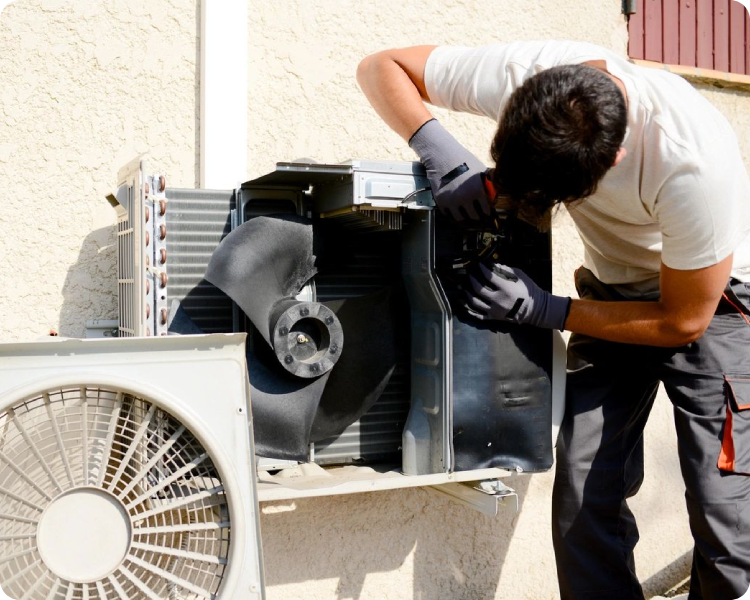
[(87, 437)]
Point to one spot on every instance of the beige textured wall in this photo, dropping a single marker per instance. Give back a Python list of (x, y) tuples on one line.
[(85, 85)]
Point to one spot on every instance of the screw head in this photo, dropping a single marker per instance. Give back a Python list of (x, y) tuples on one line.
[(283, 331), (289, 359), (314, 368), (333, 349), (329, 320), (304, 312)]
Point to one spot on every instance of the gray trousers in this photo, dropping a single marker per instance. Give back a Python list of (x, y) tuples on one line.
[(610, 392)]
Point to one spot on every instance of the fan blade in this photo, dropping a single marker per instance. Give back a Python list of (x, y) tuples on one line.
[(262, 262), (283, 406), (262, 265)]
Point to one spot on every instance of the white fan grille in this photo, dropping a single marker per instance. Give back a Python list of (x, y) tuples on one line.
[(79, 438)]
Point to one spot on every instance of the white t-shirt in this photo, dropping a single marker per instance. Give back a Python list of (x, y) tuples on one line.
[(681, 195)]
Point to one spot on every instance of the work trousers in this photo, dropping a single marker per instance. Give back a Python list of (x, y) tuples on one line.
[(610, 391)]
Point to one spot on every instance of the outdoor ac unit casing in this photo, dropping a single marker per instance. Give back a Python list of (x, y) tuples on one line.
[(198, 382), (370, 197)]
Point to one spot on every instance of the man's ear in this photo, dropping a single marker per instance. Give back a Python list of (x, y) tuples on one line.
[(621, 153)]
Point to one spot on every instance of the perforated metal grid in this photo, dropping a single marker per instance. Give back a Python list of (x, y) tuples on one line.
[(126, 292), (92, 438)]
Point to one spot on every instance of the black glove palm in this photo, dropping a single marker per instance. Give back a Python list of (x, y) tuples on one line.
[(502, 293)]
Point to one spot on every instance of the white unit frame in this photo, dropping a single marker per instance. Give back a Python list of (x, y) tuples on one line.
[(199, 380)]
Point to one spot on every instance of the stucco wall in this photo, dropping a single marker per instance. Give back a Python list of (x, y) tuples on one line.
[(87, 85)]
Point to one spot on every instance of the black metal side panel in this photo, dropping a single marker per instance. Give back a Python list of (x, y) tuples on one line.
[(197, 220), (502, 373), (502, 397)]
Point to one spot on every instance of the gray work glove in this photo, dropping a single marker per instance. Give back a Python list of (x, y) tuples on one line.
[(507, 294), (455, 174)]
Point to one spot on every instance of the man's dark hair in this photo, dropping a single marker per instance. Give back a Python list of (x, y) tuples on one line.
[(558, 136)]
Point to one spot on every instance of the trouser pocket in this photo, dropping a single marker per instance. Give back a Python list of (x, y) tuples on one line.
[(735, 446)]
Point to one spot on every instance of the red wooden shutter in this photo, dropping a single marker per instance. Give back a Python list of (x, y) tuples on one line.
[(686, 33), (710, 34), (671, 24), (737, 43)]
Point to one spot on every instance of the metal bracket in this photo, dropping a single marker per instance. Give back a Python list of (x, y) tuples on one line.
[(486, 496), (100, 328), (629, 7)]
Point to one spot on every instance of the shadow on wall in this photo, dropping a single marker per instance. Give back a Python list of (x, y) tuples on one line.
[(456, 551), (669, 577), (90, 288)]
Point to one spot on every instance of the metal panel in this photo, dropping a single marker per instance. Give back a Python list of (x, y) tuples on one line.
[(301, 175), (704, 34), (721, 35), (488, 497), (737, 37), (134, 299), (653, 30), (140, 204), (371, 262), (376, 436), (671, 31), (311, 481), (427, 446), (197, 221), (687, 33), (377, 184)]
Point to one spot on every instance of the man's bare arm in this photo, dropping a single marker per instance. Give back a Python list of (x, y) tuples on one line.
[(393, 82), (688, 301)]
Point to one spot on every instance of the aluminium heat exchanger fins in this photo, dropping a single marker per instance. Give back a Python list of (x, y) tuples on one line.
[(315, 368)]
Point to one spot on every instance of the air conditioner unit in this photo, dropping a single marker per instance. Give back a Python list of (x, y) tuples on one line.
[(127, 470), (127, 466), (461, 398)]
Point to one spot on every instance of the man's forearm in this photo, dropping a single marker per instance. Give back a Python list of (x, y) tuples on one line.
[(646, 323), (688, 302), (393, 93)]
